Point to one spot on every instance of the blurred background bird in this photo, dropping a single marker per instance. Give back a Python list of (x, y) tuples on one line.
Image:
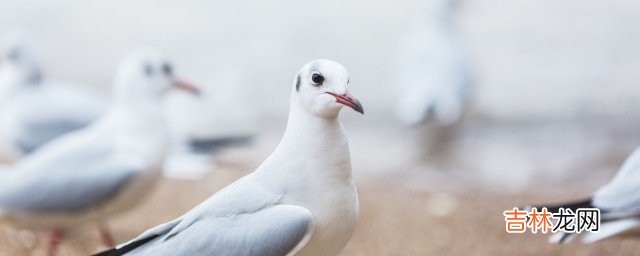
[(433, 69), (433, 75), (87, 176), (34, 109)]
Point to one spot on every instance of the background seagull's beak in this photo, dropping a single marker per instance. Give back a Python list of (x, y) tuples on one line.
[(181, 85), (348, 100)]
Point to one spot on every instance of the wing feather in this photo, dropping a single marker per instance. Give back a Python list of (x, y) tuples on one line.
[(272, 231)]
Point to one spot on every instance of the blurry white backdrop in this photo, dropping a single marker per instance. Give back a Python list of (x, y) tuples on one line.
[(533, 59)]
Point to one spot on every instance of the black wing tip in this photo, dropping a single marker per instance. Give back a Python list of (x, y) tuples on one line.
[(127, 248), (586, 203), (110, 252), (565, 238)]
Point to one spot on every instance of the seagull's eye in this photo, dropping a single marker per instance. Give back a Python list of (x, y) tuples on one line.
[(317, 79), (148, 69), (167, 69)]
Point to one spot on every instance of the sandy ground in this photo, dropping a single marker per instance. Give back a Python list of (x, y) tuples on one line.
[(441, 205), (394, 221)]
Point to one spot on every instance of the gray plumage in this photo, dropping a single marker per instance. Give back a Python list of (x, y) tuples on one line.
[(242, 219), (65, 193)]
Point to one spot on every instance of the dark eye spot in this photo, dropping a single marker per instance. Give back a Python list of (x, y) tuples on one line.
[(167, 69), (148, 69), (317, 79), (298, 83)]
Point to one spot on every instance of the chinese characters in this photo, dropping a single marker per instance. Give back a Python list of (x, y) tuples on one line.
[(566, 220)]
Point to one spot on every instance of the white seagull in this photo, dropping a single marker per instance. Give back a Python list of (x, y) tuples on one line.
[(619, 204), (433, 68), (86, 176), (302, 200), (34, 109)]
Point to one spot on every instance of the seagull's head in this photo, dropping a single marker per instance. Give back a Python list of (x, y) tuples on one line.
[(20, 56), (320, 87), (147, 75)]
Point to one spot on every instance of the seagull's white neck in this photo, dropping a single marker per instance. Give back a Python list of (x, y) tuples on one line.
[(143, 116), (312, 146)]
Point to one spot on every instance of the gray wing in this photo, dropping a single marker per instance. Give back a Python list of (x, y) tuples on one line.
[(52, 111), (39, 132), (64, 190), (275, 230)]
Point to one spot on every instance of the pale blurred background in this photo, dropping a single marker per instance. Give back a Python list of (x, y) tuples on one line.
[(556, 108), (535, 59)]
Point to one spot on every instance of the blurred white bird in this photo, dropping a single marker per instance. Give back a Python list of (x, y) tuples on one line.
[(301, 200), (619, 204), (433, 68), (89, 175), (33, 108)]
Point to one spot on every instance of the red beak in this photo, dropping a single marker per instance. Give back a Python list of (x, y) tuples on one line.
[(348, 100), (187, 87)]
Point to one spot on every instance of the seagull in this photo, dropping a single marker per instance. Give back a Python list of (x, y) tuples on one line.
[(89, 175), (433, 68), (34, 109), (302, 200), (618, 202)]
